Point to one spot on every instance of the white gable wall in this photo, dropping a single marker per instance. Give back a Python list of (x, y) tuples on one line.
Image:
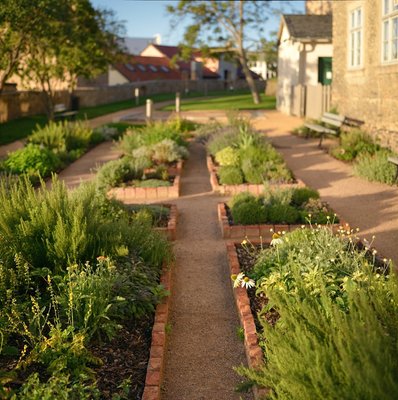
[(116, 78)]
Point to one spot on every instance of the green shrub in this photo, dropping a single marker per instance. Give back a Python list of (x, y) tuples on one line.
[(150, 135), (282, 214), (168, 151), (116, 172), (249, 212), (376, 167), (230, 175), (33, 161), (302, 195), (64, 136), (338, 321), (243, 197), (354, 143), (222, 139), (227, 156), (317, 212), (252, 172)]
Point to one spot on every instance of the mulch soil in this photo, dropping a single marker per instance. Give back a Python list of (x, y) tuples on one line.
[(125, 357)]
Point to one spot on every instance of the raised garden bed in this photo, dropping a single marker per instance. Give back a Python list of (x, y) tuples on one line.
[(245, 187), (231, 231), (254, 353), (155, 369), (129, 194)]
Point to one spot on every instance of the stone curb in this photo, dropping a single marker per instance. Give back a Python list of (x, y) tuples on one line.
[(131, 194), (254, 353), (171, 230), (256, 231), (234, 189), (155, 369)]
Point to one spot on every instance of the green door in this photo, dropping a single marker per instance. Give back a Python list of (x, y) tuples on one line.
[(325, 70)]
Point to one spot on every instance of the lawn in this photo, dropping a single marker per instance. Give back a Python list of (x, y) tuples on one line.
[(230, 101), (21, 128)]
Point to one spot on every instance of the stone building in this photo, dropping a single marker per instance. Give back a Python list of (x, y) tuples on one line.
[(365, 64), (318, 7)]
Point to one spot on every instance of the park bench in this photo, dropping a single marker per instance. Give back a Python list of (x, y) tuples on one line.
[(333, 123), (61, 112), (394, 160)]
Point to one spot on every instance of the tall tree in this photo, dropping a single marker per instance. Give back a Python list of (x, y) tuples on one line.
[(69, 38), (228, 22)]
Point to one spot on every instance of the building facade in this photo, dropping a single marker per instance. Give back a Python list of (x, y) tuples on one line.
[(365, 64)]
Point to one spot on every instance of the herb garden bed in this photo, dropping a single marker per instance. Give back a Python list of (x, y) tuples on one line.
[(244, 187), (129, 194), (232, 231)]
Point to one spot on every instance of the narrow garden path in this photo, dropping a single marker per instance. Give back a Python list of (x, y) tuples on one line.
[(203, 345)]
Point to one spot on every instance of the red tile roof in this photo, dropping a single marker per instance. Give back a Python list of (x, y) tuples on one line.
[(140, 68)]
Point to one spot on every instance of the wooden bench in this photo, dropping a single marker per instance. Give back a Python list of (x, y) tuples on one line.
[(61, 112), (394, 160), (333, 123)]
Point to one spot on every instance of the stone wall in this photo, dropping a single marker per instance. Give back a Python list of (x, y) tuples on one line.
[(369, 93), (22, 104), (318, 7)]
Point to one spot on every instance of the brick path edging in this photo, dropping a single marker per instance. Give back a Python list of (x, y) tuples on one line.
[(171, 230), (130, 194), (245, 187), (255, 231), (155, 369), (254, 354)]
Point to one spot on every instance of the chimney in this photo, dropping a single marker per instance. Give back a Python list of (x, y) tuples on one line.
[(318, 7)]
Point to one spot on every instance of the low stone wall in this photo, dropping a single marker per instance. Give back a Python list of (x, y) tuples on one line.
[(27, 103)]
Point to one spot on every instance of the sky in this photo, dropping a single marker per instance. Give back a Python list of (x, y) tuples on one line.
[(146, 18)]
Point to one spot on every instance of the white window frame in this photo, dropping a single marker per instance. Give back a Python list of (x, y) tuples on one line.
[(355, 38), (389, 32)]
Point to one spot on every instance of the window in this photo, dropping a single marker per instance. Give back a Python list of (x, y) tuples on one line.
[(355, 38), (153, 68), (130, 67), (141, 67), (390, 31), (164, 69)]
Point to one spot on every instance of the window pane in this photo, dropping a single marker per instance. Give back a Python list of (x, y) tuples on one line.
[(358, 55), (353, 20), (352, 49), (359, 17), (386, 27), (394, 42), (386, 7)]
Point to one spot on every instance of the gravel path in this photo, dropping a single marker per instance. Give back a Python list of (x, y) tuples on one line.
[(203, 346)]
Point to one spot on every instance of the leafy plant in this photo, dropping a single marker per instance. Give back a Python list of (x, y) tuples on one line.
[(230, 175), (32, 160), (249, 212), (168, 151), (376, 167), (227, 156)]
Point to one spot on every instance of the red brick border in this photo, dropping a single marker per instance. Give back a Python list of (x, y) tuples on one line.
[(130, 194), (234, 189), (171, 230), (254, 353), (255, 231), (155, 369)]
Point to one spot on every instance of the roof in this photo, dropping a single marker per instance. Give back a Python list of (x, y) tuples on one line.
[(141, 68), (308, 27), (168, 51)]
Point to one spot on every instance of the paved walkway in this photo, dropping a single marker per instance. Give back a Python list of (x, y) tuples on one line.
[(203, 345)]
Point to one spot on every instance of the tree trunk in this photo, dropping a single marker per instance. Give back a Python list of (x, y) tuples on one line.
[(250, 80)]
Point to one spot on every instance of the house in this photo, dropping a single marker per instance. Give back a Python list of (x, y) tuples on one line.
[(197, 68), (134, 45), (365, 83), (305, 53)]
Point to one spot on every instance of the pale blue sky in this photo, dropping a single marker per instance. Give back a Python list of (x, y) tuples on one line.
[(145, 18)]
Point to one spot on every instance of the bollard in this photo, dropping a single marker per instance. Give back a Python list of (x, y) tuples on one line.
[(137, 96), (178, 102), (149, 110)]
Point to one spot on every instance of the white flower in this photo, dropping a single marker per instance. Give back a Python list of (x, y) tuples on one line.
[(247, 283), (276, 239), (238, 279)]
